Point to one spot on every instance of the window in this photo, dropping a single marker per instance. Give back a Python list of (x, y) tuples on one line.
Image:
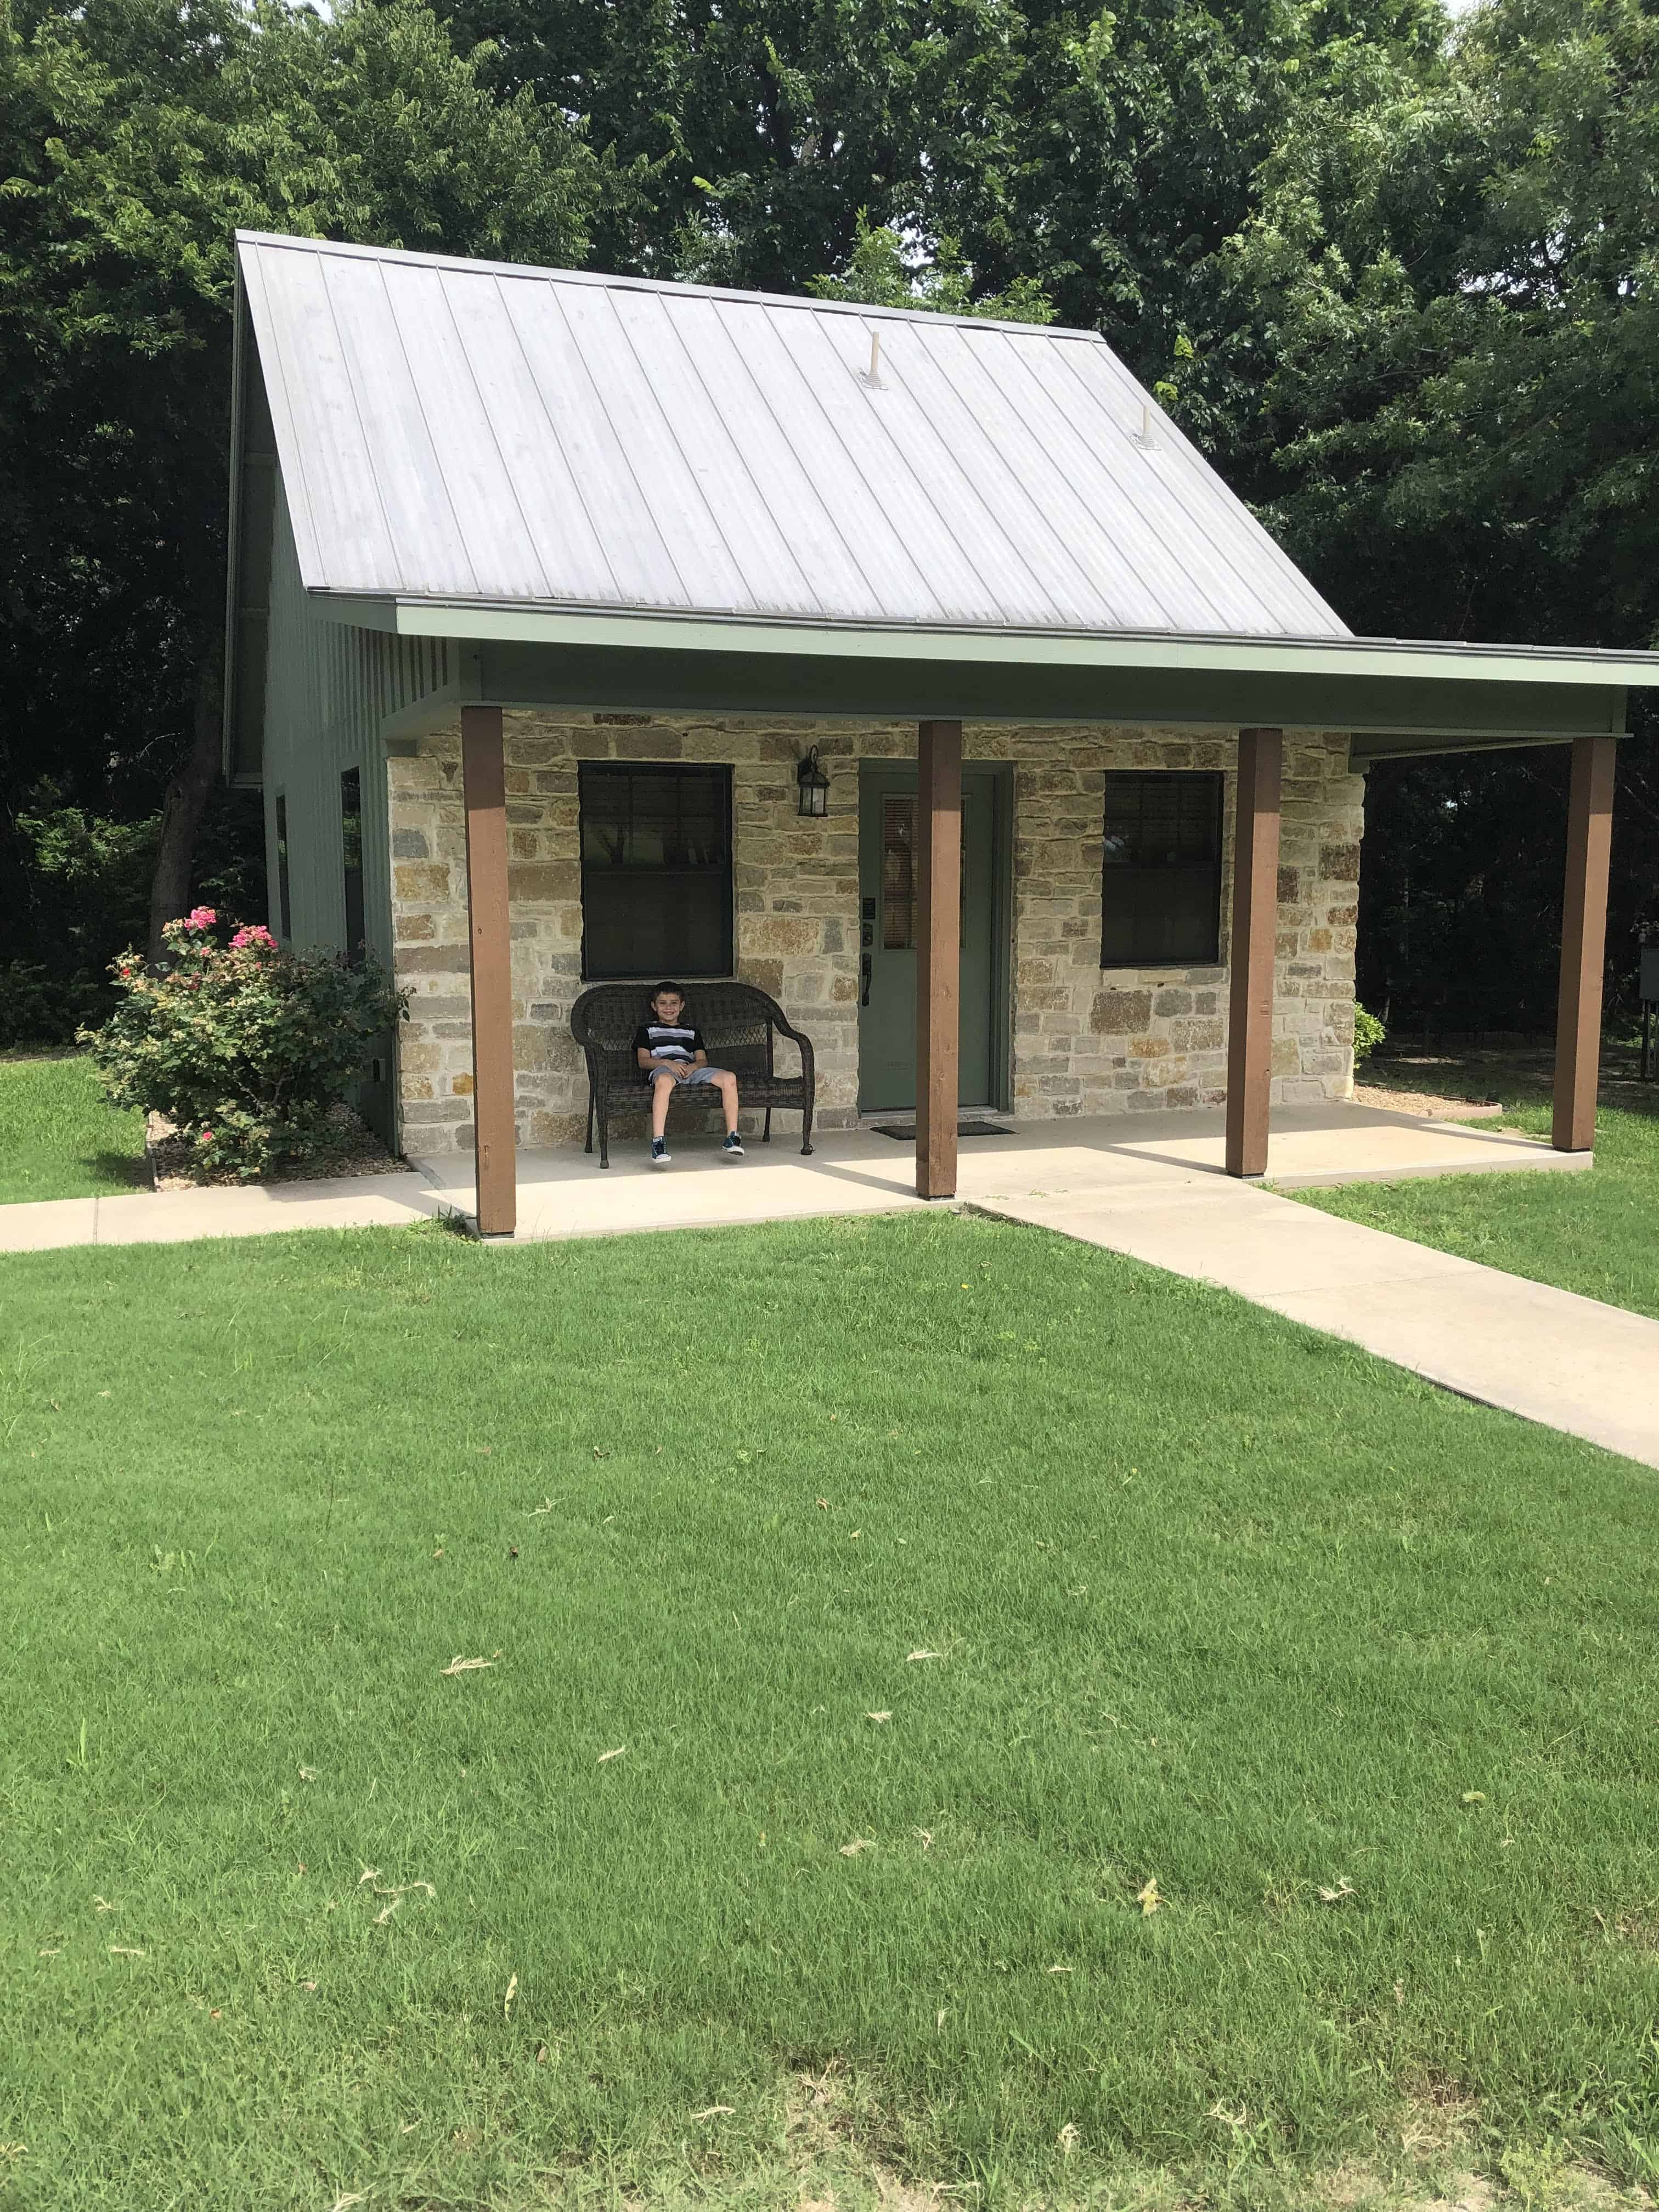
[(901, 874), (656, 845), (351, 828), (1161, 882), (284, 910)]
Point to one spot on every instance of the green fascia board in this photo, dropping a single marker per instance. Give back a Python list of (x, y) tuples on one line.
[(1401, 693), (1400, 712)]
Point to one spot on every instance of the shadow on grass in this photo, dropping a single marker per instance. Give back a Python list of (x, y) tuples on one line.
[(120, 1170)]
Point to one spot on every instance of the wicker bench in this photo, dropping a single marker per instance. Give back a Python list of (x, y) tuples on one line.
[(740, 1028)]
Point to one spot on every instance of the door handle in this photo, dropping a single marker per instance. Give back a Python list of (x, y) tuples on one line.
[(864, 973)]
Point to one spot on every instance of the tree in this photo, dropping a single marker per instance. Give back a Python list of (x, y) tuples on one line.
[(134, 136), (1103, 156), (880, 274), (1451, 281)]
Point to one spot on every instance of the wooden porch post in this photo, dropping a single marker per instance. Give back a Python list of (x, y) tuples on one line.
[(939, 953), (1583, 940), (484, 776), (1256, 929)]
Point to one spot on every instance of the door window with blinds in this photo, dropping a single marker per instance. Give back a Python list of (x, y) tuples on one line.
[(656, 846), (901, 877), (1161, 880)]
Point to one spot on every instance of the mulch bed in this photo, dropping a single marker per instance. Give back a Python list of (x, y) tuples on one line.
[(1425, 1102), (356, 1151)]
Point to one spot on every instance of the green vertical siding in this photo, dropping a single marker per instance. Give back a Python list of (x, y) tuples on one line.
[(328, 690)]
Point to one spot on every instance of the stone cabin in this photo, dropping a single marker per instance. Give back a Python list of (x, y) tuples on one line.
[(695, 569)]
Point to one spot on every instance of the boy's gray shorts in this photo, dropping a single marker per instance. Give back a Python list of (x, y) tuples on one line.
[(697, 1074)]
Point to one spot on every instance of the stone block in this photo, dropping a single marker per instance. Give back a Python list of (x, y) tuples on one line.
[(1116, 1013), (543, 883), (788, 934), (420, 879), (432, 960), (431, 1113), (766, 975), (1196, 1035)]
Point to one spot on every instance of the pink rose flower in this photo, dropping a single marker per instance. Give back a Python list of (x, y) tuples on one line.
[(201, 917), (204, 1135), (257, 935)]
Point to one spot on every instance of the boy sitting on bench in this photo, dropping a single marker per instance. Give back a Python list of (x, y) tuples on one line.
[(670, 1052)]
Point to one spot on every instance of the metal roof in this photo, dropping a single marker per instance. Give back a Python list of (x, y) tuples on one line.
[(474, 432)]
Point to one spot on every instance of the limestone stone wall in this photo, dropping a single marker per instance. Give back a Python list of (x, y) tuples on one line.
[(1089, 1040), (1083, 1040)]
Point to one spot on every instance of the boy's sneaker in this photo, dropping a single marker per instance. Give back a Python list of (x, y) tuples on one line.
[(660, 1154), (732, 1148)]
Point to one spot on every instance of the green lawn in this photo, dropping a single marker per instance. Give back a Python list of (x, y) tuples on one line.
[(59, 1139), (1595, 1232), (1149, 1586)]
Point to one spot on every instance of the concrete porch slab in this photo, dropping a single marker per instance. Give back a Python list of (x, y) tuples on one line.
[(1107, 1161)]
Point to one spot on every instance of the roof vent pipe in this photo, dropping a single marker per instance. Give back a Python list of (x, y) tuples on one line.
[(874, 378)]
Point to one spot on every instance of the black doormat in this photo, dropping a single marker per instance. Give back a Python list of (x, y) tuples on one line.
[(906, 1131)]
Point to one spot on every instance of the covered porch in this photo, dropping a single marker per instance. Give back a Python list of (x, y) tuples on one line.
[(510, 1191)]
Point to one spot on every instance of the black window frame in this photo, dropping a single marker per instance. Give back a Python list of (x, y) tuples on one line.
[(351, 866), (716, 774), (284, 901), (1213, 783)]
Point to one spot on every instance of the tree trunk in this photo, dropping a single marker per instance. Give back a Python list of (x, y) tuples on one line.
[(186, 798)]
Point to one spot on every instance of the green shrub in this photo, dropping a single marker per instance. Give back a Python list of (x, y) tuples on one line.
[(244, 1047), (1368, 1034)]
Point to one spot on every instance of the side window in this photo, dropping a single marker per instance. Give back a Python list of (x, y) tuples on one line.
[(1161, 879), (285, 906), (351, 828)]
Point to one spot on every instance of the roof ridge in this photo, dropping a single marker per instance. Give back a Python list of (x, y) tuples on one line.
[(672, 286)]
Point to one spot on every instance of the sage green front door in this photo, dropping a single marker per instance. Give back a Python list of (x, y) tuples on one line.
[(888, 883)]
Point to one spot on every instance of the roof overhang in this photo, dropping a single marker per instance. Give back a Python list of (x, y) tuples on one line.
[(1395, 697)]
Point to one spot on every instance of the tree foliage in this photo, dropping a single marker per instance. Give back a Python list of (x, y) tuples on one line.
[(879, 273), (135, 136), (1449, 288)]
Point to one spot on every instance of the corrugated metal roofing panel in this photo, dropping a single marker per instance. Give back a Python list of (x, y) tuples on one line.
[(468, 430)]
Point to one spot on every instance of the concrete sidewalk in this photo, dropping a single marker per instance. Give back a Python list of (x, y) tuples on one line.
[(1548, 1355), (178, 1217)]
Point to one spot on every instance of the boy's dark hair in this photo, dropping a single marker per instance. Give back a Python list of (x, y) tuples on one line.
[(661, 990)]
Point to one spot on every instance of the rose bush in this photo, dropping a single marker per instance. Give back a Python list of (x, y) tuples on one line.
[(246, 1048)]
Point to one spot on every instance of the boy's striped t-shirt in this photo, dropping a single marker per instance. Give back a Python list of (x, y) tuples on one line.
[(668, 1040)]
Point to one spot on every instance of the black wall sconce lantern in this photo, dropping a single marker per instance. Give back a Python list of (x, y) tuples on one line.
[(812, 785)]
